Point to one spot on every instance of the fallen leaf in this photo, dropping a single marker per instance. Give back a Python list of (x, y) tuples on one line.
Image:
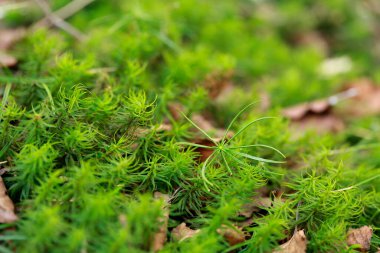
[(296, 244), (245, 223), (255, 206), (7, 60), (204, 152), (159, 238), (361, 236), (182, 232), (300, 111), (233, 235), (8, 37), (7, 214), (316, 115), (320, 123), (366, 102)]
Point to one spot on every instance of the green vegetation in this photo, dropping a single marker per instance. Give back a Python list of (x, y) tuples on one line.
[(91, 129)]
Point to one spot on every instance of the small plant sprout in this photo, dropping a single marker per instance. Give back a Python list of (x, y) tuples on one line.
[(223, 148)]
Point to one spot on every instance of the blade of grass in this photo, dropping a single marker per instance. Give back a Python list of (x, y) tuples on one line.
[(200, 129), (235, 159), (260, 145), (203, 170), (246, 126), (259, 159), (358, 184), (5, 95), (235, 118), (194, 144), (226, 163)]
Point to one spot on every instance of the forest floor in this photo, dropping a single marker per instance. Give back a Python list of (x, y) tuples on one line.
[(189, 126)]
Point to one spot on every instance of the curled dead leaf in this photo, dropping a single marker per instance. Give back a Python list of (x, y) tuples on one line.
[(7, 214), (233, 235), (159, 238), (182, 232), (296, 244), (361, 236)]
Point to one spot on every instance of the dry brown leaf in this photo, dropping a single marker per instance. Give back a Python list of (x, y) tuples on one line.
[(361, 236), (255, 206), (316, 115), (232, 235), (296, 244), (367, 99), (8, 37), (7, 60), (300, 111), (159, 238), (320, 123), (7, 214), (246, 223), (182, 232)]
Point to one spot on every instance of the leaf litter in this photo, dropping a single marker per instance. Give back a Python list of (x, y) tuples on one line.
[(7, 209), (361, 237), (359, 98)]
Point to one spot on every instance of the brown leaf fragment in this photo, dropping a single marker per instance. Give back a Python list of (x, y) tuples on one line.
[(367, 99), (204, 152), (233, 235), (182, 232), (316, 115), (296, 244), (246, 223), (8, 37), (7, 60), (255, 206), (361, 236), (300, 111), (159, 238), (320, 123), (7, 214)]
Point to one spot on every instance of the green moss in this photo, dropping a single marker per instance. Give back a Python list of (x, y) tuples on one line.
[(81, 126)]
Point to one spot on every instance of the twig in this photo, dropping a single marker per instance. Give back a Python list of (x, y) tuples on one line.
[(65, 12), (58, 21)]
